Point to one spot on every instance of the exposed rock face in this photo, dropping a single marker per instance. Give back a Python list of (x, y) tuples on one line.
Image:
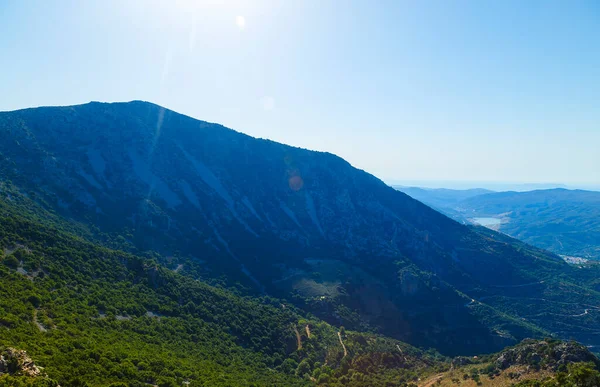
[(17, 362), (545, 354), (460, 361)]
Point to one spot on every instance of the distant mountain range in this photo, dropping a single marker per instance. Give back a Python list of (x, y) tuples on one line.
[(489, 185), (566, 222), (441, 198), (192, 222)]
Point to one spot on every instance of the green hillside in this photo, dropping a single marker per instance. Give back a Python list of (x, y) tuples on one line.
[(94, 316)]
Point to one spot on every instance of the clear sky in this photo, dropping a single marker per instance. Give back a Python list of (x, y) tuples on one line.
[(407, 90)]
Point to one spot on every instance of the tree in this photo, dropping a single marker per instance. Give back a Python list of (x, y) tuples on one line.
[(11, 262), (303, 368), (289, 365)]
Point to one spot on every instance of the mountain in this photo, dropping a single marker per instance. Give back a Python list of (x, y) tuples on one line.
[(74, 313), (487, 185), (265, 219), (566, 222), (442, 199)]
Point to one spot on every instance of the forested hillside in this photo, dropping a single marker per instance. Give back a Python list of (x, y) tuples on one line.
[(78, 314), (94, 316)]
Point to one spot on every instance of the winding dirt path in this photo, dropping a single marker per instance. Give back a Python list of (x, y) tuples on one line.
[(37, 323), (587, 311), (343, 346), (518, 286), (401, 351), (431, 381), (298, 338), (470, 302)]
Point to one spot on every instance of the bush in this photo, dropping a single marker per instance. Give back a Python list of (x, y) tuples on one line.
[(11, 262)]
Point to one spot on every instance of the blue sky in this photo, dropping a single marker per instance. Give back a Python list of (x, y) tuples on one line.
[(474, 91)]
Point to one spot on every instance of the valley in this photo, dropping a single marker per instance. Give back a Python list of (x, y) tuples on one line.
[(562, 221), (493, 223)]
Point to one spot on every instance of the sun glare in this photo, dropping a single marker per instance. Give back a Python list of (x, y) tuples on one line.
[(241, 22)]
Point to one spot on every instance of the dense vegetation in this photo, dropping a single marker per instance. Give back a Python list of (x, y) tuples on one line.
[(94, 316), (530, 363), (576, 375)]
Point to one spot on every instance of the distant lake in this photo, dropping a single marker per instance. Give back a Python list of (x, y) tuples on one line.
[(487, 222)]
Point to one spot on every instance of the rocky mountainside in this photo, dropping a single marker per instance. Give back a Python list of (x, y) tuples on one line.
[(17, 362), (546, 354), (543, 363), (230, 209)]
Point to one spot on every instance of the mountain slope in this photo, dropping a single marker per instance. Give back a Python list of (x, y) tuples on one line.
[(563, 221), (531, 363), (91, 316), (441, 198), (269, 218)]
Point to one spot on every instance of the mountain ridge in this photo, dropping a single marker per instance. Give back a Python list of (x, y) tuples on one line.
[(305, 225)]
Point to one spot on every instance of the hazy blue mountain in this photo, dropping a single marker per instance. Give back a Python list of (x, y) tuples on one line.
[(442, 199), (563, 221), (566, 222), (495, 186), (306, 226)]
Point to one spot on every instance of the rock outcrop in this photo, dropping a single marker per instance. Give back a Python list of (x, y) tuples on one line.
[(17, 362), (547, 354)]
